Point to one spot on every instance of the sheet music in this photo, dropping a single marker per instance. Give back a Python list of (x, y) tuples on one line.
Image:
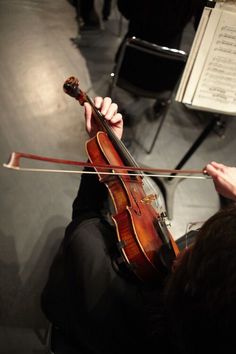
[(216, 88), (193, 54), (201, 56), (227, 5)]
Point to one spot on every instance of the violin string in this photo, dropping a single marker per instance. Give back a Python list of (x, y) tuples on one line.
[(103, 173)]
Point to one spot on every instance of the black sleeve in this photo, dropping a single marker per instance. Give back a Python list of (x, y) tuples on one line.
[(87, 205), (91, 198), (54, 293)]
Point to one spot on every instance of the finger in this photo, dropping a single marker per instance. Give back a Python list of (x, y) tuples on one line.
[(105, 105), (222, 186), (98, 102), (218, 166), (216, 173), (221, 178), (215, 168), (211, 170), (111, 111), (88, 116), (117, 119)]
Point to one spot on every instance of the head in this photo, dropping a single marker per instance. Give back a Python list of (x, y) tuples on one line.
[(200, 294)]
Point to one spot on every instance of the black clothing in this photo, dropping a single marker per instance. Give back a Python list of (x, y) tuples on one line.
[(160, 22), (86, 13), (98, 310), (106, 9)]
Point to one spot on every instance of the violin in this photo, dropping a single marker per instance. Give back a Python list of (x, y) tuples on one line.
[(143, 236)]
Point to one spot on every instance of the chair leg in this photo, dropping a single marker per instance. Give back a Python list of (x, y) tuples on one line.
[(48, 339), (163, 117)]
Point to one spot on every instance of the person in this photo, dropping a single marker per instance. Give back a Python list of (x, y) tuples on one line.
[(87, 18), (161, 23), (91, 305), (97, 307), (200, 294), (106, 9), (86, 15)]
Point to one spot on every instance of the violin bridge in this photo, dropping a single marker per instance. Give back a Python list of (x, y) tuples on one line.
[(149, 199)]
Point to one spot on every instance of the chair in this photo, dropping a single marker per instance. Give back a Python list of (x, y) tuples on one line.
[(146, 69)]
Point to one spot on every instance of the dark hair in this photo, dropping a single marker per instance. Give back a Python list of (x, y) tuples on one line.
[(200, 295)]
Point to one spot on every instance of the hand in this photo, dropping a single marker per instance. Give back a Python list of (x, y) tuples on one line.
[(224, 178), (109, 110)]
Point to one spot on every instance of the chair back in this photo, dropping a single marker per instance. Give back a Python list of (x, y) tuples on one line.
[(146, 69)]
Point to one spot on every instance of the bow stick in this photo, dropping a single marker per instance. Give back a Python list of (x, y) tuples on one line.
[(14, 163)]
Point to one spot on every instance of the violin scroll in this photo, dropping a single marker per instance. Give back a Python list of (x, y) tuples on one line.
[(71, 87)]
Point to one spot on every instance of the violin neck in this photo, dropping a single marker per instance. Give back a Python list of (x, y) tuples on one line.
[(71, 87), (119, 145)]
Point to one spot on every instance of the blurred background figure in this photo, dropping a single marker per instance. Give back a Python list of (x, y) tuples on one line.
[(106, 9), (87, 15)]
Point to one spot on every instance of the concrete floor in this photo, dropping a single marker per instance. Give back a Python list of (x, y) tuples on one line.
[(37, 55)]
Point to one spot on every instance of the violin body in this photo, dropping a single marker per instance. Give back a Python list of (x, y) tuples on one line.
[(135, 219), (145, 243)]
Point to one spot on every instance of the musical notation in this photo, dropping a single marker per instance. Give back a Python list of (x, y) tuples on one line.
[(211, 83)]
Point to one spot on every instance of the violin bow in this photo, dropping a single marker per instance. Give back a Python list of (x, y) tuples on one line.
[(107, 169)]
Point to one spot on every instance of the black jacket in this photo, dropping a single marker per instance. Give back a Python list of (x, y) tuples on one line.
[(160, 22)]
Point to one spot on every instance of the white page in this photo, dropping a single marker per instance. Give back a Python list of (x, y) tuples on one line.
[(202, 55), (192, 55), (228, 6), (217, 86)]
